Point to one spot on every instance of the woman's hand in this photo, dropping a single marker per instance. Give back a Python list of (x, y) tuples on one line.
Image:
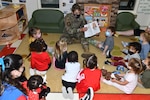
[(113, 80), (83, 29)]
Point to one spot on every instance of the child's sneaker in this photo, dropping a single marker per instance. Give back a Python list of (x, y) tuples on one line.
[(125, 44), (64, 92), (70, 93), (108, 55), (89, 95), (107, 62)]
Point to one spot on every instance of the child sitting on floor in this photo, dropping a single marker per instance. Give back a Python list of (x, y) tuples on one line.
[(144, 79), (40, 60), (108, 45), (130, 79), (89, 79), (133, 52), (144, 41), (35, 33), (60, 54), (36, 89), (72, 67)]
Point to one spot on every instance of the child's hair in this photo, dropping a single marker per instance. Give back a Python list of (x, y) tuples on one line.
[(38, 45), (34, 82), (59, 47), (11, 62), (136, 65), (92, 62), (72, 56), (136, 45), (112, 29), (33, 30), (146, 36)]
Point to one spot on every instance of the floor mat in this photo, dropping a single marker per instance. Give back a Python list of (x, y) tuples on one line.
[(9, 49), (121, 97), (116, 51), (1, 47)]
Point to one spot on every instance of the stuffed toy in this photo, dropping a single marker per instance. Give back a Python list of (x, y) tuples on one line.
[(109, 75)]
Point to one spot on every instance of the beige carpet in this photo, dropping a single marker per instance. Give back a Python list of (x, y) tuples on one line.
[(54, 75)]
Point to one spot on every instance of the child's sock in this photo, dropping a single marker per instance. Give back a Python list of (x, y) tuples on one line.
[(64, 92), (70, 92)]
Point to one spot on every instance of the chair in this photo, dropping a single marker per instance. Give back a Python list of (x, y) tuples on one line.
[(48, 20), (126, 21)]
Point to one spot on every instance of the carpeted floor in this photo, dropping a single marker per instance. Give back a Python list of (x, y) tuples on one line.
[(54, 75)]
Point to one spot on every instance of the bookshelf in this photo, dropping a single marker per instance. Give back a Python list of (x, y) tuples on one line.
[(13, 20)]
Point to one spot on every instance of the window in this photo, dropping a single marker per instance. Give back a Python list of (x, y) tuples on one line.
[(127, 4), (50, 3)]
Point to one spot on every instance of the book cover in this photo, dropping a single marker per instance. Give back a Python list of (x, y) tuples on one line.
[(91, 31)]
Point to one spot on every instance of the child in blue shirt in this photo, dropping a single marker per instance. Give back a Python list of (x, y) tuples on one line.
[(12, 68), (108, 44)]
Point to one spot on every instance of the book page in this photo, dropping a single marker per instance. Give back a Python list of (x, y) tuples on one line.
[(90, 30)]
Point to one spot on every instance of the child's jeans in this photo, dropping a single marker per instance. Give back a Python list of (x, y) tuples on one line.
[(116, 61)]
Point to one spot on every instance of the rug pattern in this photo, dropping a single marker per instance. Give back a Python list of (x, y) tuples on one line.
[(9, 49)]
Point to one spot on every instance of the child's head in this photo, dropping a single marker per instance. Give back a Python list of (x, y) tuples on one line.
[(110, 31), (147, 29), (63, 44), (92, 62), (72, 56), (134, 47), (60, 47), (135, 65), (38, 45), (35, 82), (12, 68), (145, 37), (35, 32), (147, 62)]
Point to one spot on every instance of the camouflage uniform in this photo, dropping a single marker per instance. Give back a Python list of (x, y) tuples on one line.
[(72, 30)]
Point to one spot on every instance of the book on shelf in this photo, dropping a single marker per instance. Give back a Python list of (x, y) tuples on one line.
[(92, 29)]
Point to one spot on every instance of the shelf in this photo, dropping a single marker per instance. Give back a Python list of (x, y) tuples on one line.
[(11, 18), (6, 26), (8, 37)]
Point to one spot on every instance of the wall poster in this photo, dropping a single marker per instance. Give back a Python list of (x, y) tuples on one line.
[(98, 12)]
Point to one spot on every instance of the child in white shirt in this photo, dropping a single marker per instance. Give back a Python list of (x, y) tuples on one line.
[(130, 79), (69, 79)]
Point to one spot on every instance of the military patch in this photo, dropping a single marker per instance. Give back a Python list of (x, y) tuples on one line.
[(68, 24)]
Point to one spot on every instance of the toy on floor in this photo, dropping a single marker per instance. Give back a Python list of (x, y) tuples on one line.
[(120, 68), (109, 75)]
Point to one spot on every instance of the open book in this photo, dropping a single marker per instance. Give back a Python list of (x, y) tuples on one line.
[(91, 31)]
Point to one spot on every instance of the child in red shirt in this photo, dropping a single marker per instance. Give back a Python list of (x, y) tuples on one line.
[(36, 90), (40, 60), (89, 78)]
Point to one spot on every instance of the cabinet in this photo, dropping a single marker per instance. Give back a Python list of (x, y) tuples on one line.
[(13, 21)]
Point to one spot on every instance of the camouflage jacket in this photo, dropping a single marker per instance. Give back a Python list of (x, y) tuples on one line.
[(72, 24)]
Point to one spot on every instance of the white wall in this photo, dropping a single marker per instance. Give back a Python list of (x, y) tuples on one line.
[(142, 19), (31, 5)]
